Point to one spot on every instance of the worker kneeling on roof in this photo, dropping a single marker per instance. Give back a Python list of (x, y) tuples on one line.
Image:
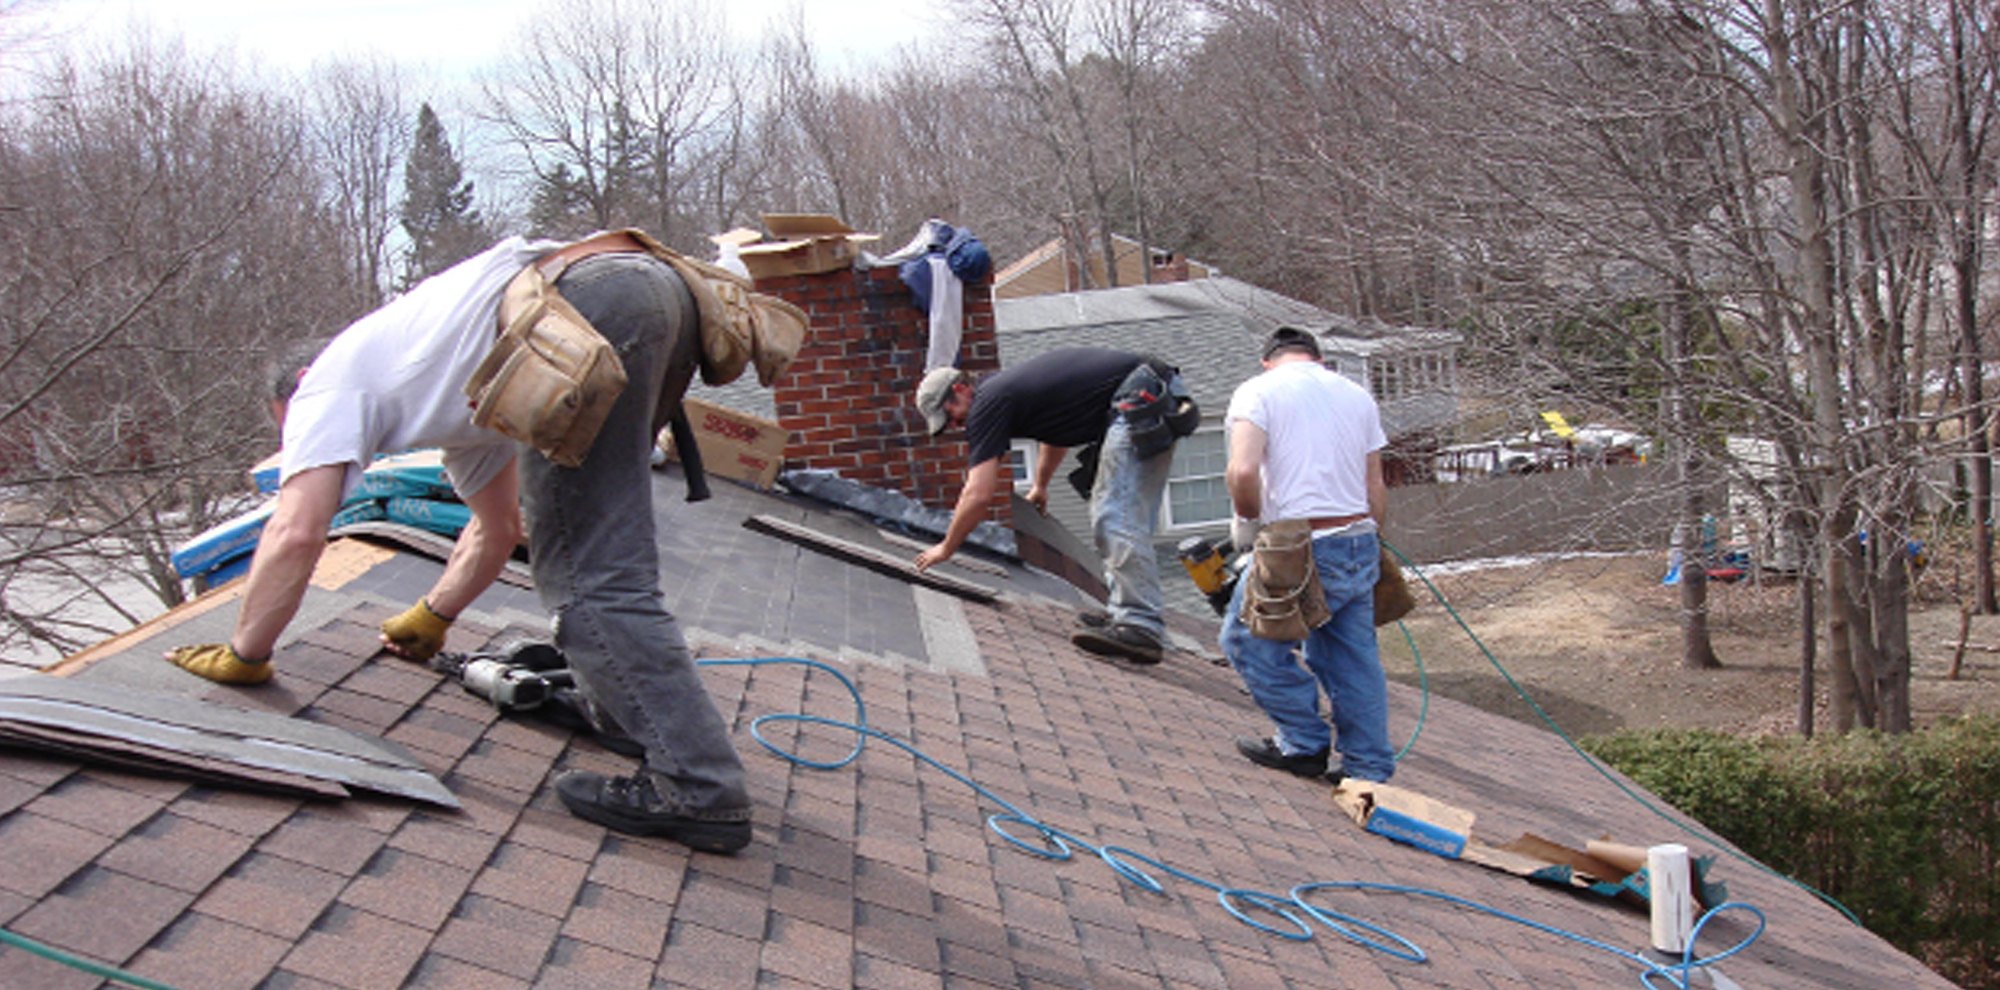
[(400, 378)]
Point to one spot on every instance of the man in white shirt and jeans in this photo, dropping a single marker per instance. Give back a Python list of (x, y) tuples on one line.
[(1305, 443)]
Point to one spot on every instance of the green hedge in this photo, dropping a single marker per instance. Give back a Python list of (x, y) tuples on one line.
[(1903, 830)]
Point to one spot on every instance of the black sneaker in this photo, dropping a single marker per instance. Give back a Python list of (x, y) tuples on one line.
[(631, 805), (1265, 753), (1130, 642)]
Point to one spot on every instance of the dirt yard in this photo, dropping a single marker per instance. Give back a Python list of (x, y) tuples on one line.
[(1596, 642)]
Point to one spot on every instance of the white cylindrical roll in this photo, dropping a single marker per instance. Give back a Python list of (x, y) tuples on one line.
[(1670, 888)]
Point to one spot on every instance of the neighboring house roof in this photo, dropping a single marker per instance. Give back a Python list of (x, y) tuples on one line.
[(1047, 268), (1214, 330), (881, 873)]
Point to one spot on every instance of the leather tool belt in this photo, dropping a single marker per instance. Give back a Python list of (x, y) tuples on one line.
[(1283, 599), (551, 378)]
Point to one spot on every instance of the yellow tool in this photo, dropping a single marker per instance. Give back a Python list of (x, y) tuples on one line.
[(1210, 567)]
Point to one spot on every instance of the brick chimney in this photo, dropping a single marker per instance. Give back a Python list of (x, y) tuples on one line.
[(847, 398)]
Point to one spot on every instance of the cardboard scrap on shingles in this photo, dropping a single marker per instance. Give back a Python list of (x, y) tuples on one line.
[(211, 743), (1602, 867), (869, 557)]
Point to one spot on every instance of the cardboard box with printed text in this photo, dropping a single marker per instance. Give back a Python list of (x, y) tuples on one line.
[(733, 444)]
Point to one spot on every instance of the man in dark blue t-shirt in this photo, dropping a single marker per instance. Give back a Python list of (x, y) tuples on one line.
[(1068, 398)]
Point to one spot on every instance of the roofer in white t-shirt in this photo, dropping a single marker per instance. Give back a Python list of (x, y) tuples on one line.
[(1305, 445), (395, 379)]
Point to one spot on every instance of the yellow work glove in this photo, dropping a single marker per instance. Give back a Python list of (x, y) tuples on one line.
[(417, 634), (218, 662)]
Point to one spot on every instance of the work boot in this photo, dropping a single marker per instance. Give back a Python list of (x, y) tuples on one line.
[(1265, 753), (633, 806), (1120, 640)]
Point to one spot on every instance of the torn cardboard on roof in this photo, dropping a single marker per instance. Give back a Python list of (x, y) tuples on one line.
[(800, 244), (1602, 867)]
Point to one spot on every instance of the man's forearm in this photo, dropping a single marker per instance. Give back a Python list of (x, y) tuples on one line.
[(287, 552), (484, 546), (973, 501), (476, 561), (1046, 463)]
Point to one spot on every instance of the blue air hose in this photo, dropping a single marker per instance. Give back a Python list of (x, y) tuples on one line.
[(1297, 913)]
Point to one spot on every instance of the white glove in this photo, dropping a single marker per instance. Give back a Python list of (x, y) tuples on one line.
[(1243, 533)]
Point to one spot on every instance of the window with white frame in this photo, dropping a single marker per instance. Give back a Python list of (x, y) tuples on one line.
[(1020, 465), (1196, 492)]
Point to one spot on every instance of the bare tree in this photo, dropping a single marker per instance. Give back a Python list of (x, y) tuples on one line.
[(619, 102), (1039, 52), (361, 130), (161, 214)]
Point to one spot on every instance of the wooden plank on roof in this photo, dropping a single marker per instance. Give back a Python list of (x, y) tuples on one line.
[(869, 557)]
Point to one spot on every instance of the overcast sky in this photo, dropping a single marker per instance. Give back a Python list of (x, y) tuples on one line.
[(453, 36)]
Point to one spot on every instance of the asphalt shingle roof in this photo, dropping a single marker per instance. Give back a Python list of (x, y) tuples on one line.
[(883, 873)]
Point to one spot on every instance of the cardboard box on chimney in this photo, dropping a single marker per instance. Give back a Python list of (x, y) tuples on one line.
[(802, 244), (733, 444)]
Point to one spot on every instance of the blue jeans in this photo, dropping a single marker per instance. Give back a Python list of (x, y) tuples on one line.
[(1124, 512), (595, 561), (1340, 658)]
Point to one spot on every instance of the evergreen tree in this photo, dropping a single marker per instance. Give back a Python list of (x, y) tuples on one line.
[(438, 216), (558, 208)]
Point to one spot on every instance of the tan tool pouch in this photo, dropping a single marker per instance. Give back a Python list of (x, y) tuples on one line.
[(1393, 598), (738, 327), (550, 379), (1282, 597)]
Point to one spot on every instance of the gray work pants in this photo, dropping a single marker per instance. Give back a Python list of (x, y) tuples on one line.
[(594, 557)]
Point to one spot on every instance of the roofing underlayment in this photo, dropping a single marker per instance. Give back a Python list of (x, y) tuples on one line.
[(886, 871)]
